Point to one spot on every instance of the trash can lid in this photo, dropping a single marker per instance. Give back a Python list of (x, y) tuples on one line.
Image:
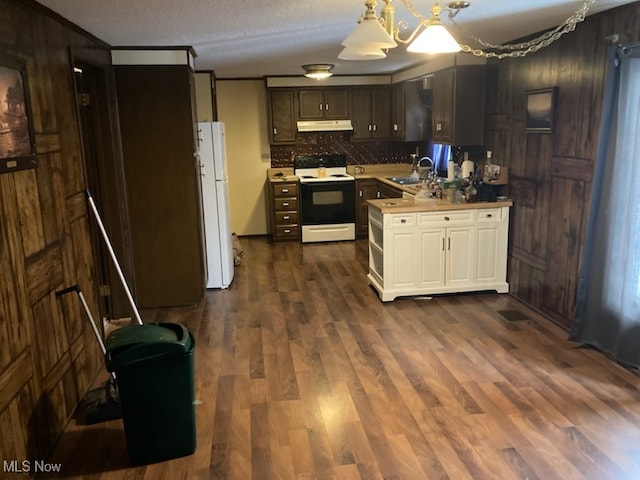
[(137, 343)]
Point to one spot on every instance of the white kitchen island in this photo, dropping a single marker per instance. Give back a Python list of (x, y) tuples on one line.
[(434, 246)]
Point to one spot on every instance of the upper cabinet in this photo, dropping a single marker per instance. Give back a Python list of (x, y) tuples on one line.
[(458, 105), (282, 115), (371, 113), (323, 103), (411, 112)]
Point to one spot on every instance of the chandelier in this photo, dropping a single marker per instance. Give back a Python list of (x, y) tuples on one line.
[(373, 36)]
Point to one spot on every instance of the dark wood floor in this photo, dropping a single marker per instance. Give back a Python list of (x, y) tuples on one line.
[(304, 374)]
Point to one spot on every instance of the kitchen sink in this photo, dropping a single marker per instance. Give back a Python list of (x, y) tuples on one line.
[(404, 180)]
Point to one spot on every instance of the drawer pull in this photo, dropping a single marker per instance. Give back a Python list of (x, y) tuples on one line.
[(489, 215), (285, 190), (287, 230), (285, 204), (404, 220), (286, 217), (447, 219)]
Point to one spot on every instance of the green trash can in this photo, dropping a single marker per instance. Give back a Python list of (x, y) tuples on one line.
[(153, 364)]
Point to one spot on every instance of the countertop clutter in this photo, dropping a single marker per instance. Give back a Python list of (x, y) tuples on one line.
[(381, 173)]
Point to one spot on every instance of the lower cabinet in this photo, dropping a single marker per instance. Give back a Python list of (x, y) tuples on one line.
[(438, 252), (286, 216), (366, 189)]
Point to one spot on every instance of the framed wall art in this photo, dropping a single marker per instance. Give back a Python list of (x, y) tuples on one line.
[(539, 114), (17, 144)]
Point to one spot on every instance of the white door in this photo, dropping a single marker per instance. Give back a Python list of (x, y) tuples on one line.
[(402, 273), (461, 253), (432, 250), (487, 261)]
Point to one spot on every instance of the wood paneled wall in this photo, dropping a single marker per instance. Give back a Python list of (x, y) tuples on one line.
[(551, 173), (48, 355)]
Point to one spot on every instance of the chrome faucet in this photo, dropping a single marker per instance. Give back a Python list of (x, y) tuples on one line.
[(425, 158)]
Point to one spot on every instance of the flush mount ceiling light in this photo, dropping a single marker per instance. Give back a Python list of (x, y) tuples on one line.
[(318, 71), (431, 36)]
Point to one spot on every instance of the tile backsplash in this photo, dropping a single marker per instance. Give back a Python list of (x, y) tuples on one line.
[(358, 153)]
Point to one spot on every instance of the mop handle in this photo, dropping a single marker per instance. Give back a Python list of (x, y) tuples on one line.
[(113, 256), (76, 288)]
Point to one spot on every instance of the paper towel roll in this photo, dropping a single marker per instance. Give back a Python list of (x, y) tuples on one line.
[(451, 171), (467, 168)]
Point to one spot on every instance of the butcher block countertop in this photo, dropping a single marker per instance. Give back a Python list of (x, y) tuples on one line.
[(410, 205)]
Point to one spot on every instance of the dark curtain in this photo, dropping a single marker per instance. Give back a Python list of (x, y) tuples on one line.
[(608, 297)]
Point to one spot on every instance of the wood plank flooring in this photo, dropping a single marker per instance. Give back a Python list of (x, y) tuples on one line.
[(302, 373)]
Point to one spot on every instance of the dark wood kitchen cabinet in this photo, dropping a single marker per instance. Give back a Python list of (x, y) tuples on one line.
[(458, 105), (282, 115), (387, 191), (371, 113), (411, 112), (157, 124), (285, 220), (366, 189), (323, 103)]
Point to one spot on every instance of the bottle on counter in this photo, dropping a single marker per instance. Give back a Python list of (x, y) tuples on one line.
[(451, 169), (487, 166)]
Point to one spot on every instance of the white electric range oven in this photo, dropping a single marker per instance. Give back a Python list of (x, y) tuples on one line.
[(328, 198)]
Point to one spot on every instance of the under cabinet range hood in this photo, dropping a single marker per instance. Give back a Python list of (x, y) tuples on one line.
[(324, 126)]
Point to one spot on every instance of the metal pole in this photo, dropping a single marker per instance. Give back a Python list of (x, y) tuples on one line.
[(85, 306), (113, 256)]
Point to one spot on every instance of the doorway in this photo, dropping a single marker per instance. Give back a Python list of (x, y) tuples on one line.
[(104, 179)]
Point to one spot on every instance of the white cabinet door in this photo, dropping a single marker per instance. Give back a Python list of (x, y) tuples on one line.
[(432, 250), (488, 255), (404, 263), (461, 255)]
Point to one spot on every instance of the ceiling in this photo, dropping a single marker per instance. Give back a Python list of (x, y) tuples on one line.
[(255, 38)]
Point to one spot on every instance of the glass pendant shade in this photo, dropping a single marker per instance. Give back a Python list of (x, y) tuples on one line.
[(434, 39), (357, 53), (370, 34)]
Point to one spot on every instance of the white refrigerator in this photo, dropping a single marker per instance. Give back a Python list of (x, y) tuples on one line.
[(215, 199)]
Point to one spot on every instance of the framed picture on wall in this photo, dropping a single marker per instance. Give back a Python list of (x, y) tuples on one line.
[(17, 145), (539, 114)]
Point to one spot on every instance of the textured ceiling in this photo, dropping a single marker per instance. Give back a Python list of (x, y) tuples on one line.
[(255, 38)]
